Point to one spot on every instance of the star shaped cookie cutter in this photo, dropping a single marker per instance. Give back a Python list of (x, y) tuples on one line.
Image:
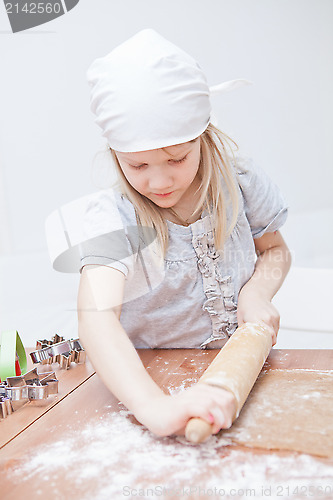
[(16, 391), (58, 350)]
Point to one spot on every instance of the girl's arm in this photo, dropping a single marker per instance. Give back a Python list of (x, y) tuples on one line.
[(272, 266), (118, 365), (107, 344)]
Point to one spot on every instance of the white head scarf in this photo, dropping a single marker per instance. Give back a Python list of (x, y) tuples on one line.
[(147, 94)]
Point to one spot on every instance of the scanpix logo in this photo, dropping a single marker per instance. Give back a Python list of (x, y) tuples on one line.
[(24, 15)]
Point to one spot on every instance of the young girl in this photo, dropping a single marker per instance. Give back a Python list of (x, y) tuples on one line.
[(187, 248)]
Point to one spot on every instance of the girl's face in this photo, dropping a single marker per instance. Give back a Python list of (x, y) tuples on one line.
[(164, 176)]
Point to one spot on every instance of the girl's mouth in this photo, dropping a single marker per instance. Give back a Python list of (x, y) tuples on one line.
[(163, 194)]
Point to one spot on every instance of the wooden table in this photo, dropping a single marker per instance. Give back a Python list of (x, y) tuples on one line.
[(83, 404)]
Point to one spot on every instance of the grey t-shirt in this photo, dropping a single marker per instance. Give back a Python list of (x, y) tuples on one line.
[(189, 300)]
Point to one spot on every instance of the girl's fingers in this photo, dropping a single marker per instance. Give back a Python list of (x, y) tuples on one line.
[(180, 432), (219, 419)]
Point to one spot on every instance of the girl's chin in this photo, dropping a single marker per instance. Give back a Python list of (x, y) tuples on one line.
[(164, 204), (164, 201)]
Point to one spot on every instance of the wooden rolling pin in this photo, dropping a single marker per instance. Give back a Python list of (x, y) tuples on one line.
[(235, 368)]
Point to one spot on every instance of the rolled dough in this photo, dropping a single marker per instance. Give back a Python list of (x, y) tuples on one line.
[(288, 410)]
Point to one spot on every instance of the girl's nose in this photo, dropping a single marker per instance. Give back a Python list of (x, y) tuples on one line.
[(160, 182)]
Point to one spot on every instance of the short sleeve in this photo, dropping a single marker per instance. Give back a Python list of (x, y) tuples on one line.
[(106, 241), (264, 205), (107, 250), (89, 230)]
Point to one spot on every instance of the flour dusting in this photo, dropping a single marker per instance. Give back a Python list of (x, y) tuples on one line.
[(120, 456)]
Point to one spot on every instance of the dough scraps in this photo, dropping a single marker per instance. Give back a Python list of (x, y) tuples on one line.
[(288, 410)]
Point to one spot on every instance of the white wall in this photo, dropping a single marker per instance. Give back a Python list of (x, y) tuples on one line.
[(48, 138), (5, 238)]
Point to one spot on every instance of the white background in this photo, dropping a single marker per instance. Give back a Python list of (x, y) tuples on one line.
[(48, 138)]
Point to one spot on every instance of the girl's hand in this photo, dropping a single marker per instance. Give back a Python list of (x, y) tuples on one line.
[(254, 307), (166, 415)]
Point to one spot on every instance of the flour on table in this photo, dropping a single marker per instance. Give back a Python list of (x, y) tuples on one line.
[(117, 454)]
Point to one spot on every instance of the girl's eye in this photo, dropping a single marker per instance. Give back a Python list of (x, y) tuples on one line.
[(137, 167), (179, 161)]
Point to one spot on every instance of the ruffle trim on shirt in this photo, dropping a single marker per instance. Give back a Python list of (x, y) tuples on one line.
[(218, 289)]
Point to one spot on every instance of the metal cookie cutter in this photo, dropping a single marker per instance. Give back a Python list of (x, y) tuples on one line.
[(5, 403), (59, 351), (16, 391)]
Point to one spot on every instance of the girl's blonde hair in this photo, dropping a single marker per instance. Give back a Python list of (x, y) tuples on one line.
[(215, 169)]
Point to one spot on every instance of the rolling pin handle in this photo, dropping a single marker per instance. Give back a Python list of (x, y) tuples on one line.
[(198, 430)]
